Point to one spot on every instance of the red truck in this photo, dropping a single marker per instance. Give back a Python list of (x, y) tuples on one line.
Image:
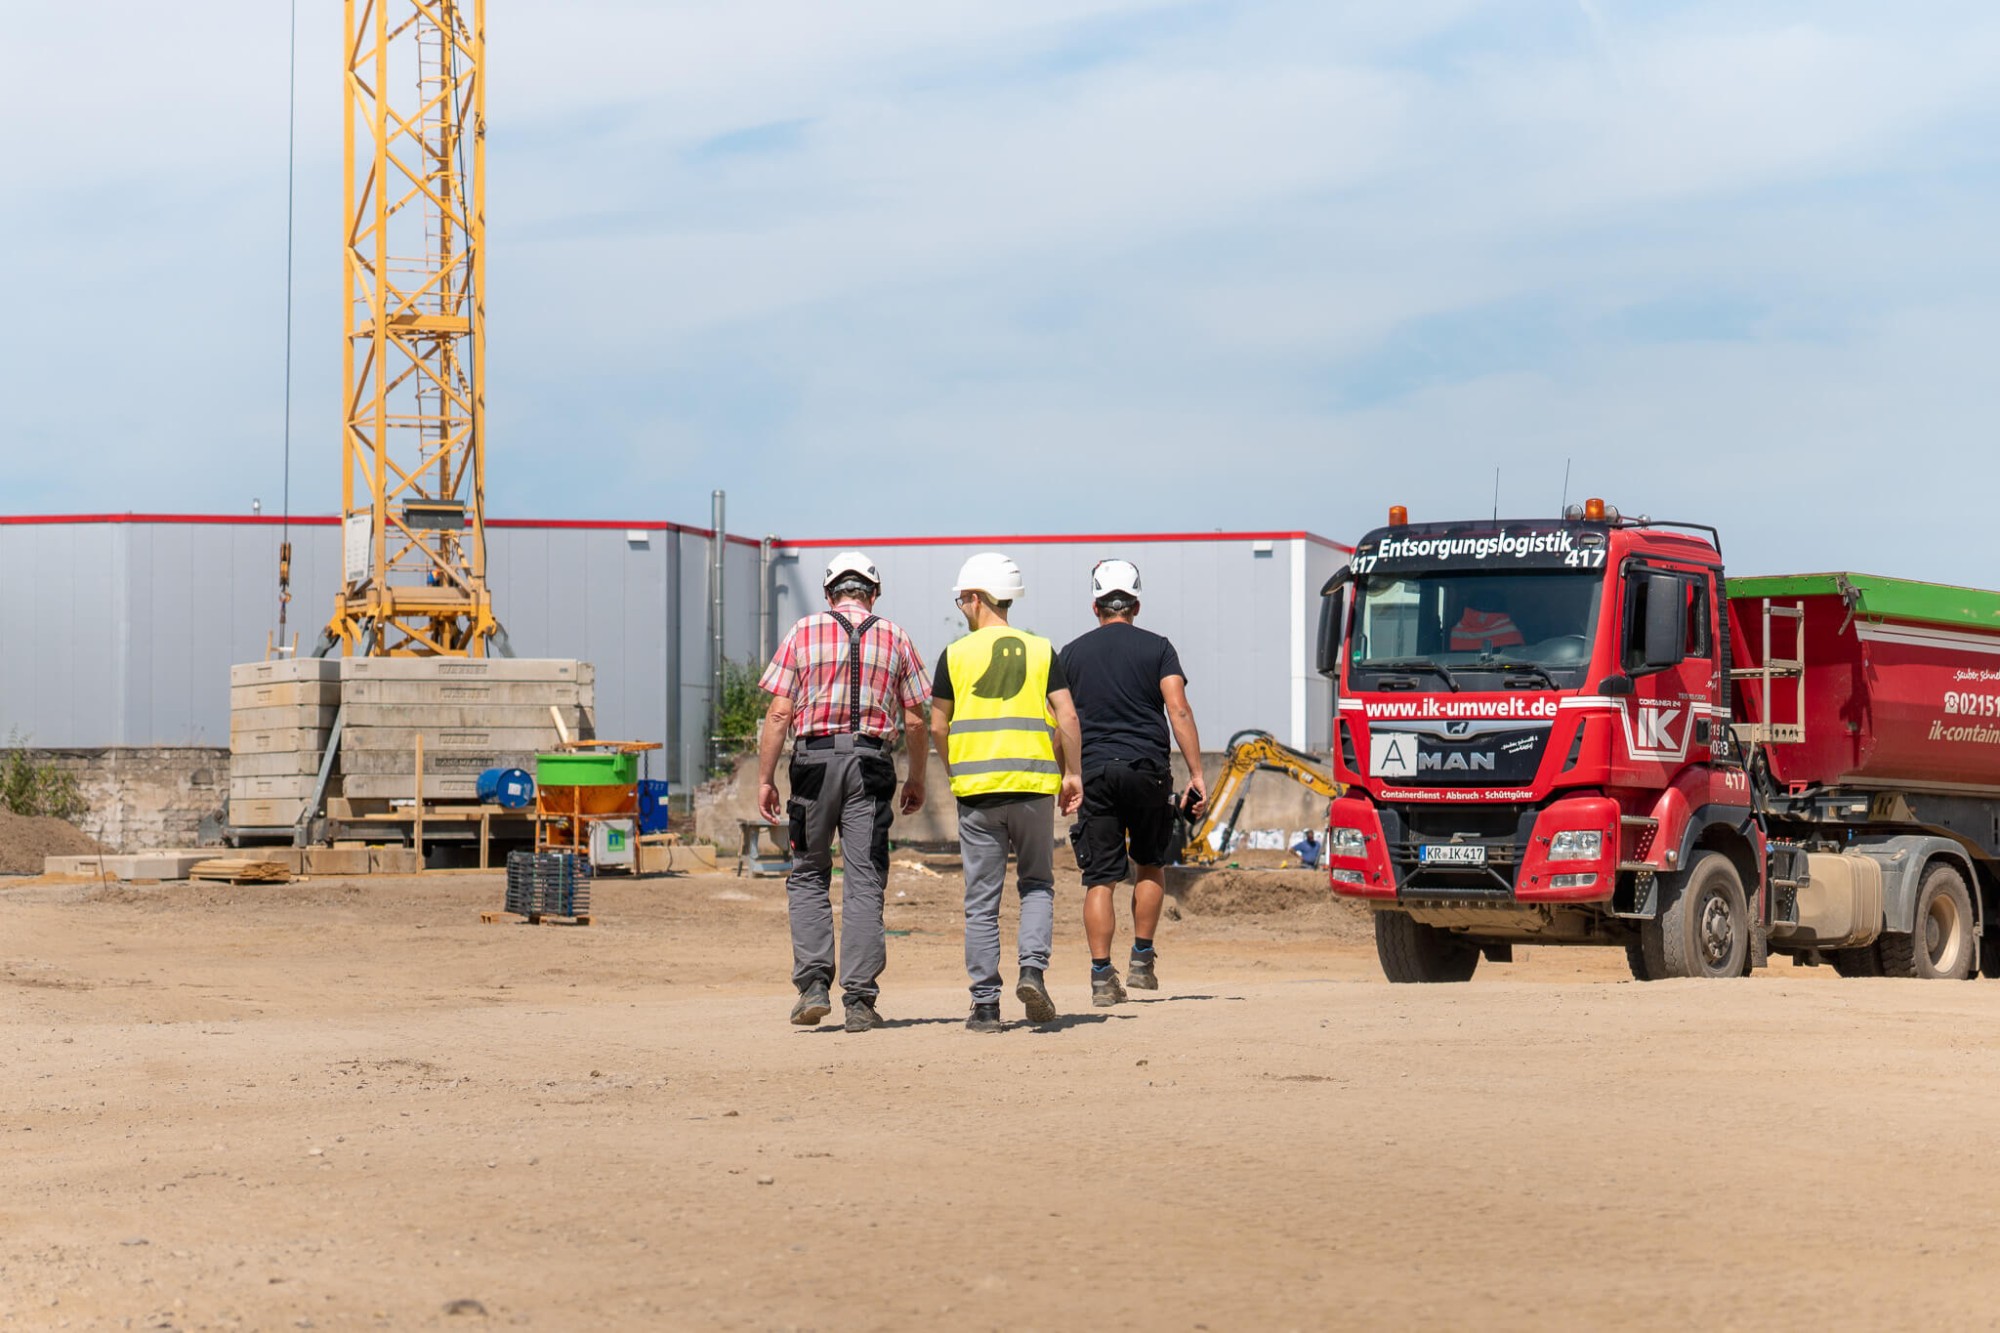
[(1576, 732)]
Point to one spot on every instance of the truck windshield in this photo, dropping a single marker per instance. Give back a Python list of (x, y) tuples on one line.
[(1477, 625)]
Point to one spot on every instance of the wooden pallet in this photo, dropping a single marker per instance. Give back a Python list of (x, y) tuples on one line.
[(241, 870), (533, 919)]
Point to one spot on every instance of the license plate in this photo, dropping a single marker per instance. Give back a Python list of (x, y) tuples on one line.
[(1452, 854)]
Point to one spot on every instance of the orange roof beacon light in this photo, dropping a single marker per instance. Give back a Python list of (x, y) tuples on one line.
[(1593, 510), (1398, 516)]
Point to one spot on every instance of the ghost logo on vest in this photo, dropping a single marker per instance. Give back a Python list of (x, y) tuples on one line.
[(1006, 671)]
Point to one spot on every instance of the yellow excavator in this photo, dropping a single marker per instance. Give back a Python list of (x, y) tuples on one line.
[(1249, 752)]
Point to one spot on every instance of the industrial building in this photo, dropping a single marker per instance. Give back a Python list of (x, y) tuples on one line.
[(121, 628)]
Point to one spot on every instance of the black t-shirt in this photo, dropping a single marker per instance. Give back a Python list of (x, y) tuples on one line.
[(942, 688), (1114, 676)]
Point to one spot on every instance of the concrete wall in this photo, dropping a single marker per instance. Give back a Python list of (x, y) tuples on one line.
[(150, 797)]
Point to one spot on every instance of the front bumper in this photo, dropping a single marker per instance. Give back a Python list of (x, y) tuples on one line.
[(1516, 841)]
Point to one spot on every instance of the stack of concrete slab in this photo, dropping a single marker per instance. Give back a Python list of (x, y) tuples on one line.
[(472, 714), (280, 715)]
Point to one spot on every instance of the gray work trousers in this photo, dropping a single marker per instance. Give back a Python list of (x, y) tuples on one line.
[(846, 791), (985, 835)]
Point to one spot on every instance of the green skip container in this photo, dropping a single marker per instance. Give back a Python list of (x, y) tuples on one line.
[(583, 768)]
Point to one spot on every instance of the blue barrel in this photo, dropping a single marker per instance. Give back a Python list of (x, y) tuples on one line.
[(508, 788), (652, 806)]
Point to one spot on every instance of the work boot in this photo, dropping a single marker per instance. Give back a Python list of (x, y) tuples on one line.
[(861, 1014), (985, 1018), (1104, 988), (813, 1005), (1031, 992), (1139, 973)]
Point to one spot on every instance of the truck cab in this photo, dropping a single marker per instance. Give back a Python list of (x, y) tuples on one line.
[(1532, 728)]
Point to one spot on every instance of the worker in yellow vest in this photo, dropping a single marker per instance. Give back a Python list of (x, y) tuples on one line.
[(1003, 724)]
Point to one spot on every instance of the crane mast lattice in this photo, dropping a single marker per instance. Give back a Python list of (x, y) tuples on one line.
[(413, 437)]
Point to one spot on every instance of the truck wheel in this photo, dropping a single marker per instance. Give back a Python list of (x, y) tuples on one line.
[(1862, 962), (1635, 958), (1413, 952), (1941, 945), (1703, 929)]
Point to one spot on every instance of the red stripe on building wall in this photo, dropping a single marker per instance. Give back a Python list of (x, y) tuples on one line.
[(1063, 539)]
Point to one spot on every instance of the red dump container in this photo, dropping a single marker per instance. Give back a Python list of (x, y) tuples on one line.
[(1897, 688)]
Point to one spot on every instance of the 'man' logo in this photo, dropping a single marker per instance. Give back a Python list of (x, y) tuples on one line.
[(1657, 728)]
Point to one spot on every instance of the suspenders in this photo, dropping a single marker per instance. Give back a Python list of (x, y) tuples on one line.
[(854, 633)]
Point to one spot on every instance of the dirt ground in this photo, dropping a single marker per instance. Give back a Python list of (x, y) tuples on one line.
[(345, 1105)]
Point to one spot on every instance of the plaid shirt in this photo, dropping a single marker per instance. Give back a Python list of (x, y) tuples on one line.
[(810, 669)]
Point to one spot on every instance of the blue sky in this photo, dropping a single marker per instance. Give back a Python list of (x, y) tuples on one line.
[(906, 266)]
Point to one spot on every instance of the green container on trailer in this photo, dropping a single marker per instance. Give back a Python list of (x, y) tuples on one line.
[(583, 768)]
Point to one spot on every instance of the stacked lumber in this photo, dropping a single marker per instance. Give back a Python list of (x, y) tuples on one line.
[(471, 714), (241, 870), (280, 715)]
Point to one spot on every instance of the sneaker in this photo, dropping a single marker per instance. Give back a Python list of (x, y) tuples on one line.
[(1139, 974), (861, 1014), (1031, 992), (1104, 988), (812, 1006), (985, 1018)]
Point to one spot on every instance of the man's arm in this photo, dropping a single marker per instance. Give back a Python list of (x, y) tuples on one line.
[(1069, 751), (771, 744), (915, 731), (1180, 716), (941, 732)]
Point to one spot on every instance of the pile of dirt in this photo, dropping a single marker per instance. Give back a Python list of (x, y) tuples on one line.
[(1253, 892), (26, 839)]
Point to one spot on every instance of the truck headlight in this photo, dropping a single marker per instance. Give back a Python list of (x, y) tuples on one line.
[(1586, 844), (1346, 842), (1347, 876)]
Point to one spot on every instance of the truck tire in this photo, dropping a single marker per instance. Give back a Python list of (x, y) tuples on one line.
[(1861, 962), (1635, 958), (1940, 948), (1413, 952), (1703, 929)]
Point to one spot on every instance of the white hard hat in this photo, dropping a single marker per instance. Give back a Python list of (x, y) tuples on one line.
[(1114, 576), (850, 562), (991, 573)]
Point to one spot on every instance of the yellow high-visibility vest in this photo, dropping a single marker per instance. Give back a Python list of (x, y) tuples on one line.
[(1002, 732)]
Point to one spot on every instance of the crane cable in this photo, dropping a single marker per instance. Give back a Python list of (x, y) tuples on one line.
[(291, 164)]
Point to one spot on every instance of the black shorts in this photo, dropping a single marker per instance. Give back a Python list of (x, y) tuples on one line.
[(1132, 799)]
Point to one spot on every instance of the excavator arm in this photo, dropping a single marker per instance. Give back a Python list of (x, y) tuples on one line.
[(1249, 752)]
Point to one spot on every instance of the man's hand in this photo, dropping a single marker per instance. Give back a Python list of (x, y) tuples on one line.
[(913, 795), (1071, 799), (768, 804), (1199, 787)]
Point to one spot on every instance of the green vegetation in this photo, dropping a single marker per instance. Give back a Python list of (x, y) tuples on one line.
[(32, 785), (739, 712)]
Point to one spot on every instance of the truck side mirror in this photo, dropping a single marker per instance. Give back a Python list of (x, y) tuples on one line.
[(1332, 602), (1666, 622)]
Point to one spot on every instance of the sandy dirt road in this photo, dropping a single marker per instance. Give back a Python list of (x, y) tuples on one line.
[(348, 1105)]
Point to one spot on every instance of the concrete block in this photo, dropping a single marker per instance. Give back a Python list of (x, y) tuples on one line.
[(384, 763), (402, 740), (696, 859), (565, 669), (527, 717), (291, 858), (280, 740), (468, 693), (282, 717), (139, 865), (337, 860), (273, 765), (281, 693), (250, 812), (437, 786), (294, 787), (394, 860), (283, 669)]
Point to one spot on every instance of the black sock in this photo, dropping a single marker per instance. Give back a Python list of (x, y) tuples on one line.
[(1142, 946), (1101, 964)]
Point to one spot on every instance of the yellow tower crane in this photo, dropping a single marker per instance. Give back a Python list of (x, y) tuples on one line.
[(413, 480)]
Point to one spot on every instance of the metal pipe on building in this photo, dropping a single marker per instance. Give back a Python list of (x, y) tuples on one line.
[(767, 639), (718, 547)]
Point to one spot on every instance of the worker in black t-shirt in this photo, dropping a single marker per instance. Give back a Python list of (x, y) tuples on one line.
[(1129, 692)]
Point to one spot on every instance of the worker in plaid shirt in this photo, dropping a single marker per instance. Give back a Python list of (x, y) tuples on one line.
[(838, 683)]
